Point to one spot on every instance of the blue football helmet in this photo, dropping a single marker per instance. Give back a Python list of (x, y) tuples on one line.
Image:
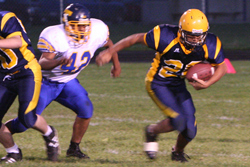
[(76, 15)]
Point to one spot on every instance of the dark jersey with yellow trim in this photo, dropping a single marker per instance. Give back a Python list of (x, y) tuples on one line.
[(172, 59), (12, 60)]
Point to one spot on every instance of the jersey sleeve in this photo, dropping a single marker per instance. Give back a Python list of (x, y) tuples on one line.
[(100, 32), (150, 39), (51, 40), (160, 37), (10, 26), (214, 49)]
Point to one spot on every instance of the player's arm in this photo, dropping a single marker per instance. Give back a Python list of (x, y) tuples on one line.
[(48, 62), (105, 56), (11, 43), (220, 71), (127, 42), (116, 68)]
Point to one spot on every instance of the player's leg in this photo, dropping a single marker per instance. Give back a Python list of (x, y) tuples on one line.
[(13, 152), (79, 128), (29, 91), (6, 99), (49, 91), (77, 100), (178, 150), (189, 133), (165, 98), (163, 126)]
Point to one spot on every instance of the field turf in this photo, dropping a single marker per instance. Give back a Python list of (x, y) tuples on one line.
[(122, 109)]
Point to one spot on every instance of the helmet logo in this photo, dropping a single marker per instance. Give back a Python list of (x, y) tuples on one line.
[(66, 11)]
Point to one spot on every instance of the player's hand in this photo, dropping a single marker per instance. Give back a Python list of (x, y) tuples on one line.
[(115, 71), (103, 57), (64, 61), (199, 84)]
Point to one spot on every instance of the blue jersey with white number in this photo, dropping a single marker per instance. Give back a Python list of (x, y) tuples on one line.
[(12, 60), (172, 59), (54, 39)]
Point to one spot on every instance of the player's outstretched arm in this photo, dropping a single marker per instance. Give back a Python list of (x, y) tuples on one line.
[(116, 68), (106, 55)]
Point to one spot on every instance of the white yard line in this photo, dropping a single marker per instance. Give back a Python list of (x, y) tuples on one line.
[(147, 97), (167, 153)]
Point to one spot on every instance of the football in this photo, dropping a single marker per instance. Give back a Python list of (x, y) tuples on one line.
[(201, 70)]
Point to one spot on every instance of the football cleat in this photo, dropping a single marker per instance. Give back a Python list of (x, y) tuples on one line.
[(76, 152), (52, 145), (150, 146), (179, 156), (12, 157)]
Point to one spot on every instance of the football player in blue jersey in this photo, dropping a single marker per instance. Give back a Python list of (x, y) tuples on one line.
[(177, 49), (20, 75), (66, 50)]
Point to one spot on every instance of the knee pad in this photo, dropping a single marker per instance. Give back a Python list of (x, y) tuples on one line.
[(179, 123), (17, 126), (189, 133), (28, 120), (86, 110)]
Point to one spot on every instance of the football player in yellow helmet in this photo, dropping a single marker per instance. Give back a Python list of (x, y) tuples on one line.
[(193, 27), (177, 49)]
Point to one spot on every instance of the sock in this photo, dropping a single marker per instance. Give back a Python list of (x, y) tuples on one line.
[(74, 145), (13, 149), (49, 131)]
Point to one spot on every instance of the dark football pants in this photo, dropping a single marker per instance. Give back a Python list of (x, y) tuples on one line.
[(176, 103), (25, 84)]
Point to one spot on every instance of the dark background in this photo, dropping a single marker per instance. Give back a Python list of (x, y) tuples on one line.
[(229, 20)]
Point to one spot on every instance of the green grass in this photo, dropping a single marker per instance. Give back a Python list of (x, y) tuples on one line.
[(122, 110)]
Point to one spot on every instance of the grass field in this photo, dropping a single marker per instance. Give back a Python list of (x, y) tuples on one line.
[(122, 110)]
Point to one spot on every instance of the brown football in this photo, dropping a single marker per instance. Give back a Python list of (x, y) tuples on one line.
[(202, 71)]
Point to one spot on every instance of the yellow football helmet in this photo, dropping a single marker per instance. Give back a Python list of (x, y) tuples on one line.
[(73, 16), (193, 22)]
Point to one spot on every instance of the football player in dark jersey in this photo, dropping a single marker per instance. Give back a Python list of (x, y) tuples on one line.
[(177, 49), (20, 75)]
